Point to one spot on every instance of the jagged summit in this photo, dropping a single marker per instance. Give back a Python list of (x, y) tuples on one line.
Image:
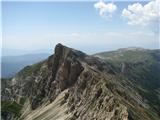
[(71, 85), (62, 50)]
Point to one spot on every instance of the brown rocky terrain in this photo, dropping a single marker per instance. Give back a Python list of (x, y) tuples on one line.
[(71, 85)]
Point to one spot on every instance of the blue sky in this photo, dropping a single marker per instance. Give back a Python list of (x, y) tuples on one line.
[(41, 25)]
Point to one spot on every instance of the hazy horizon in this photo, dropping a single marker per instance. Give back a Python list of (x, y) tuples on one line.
[(20, 52), (91, 27)]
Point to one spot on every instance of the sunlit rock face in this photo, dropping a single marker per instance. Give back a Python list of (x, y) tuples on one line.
[(71, 85)]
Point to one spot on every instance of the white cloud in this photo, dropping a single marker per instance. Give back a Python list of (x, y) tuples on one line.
[(105, 10), (138, 14)]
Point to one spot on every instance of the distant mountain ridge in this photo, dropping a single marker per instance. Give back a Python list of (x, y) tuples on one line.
[(132, 48), (71, 85), (19, 52), (12, 64)]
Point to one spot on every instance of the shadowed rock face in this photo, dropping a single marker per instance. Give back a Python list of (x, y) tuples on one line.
[(69, 66), (82, 87), (62, 70)]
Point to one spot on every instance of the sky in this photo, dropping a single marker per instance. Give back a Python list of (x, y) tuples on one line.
[(90, 26)]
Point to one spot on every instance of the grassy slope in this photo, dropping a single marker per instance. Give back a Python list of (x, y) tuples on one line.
[(14, 107), (11, 107), (142, 70)]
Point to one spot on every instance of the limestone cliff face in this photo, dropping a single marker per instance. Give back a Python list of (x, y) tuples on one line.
[(71, 85), (87, 96), (59, 72)]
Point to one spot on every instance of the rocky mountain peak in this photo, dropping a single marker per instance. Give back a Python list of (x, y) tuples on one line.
[(71, 85), (59, 49), (63, 52)]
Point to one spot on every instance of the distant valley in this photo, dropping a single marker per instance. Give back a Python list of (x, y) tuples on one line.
[(10, 65)]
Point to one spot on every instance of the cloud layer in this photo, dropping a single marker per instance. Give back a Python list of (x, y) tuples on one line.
[(138, 14), (105, 10)]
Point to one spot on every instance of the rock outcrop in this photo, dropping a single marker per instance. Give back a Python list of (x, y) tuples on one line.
[(71, 85)]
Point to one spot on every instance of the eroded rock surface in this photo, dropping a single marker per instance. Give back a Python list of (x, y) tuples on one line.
[(82, 87)]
